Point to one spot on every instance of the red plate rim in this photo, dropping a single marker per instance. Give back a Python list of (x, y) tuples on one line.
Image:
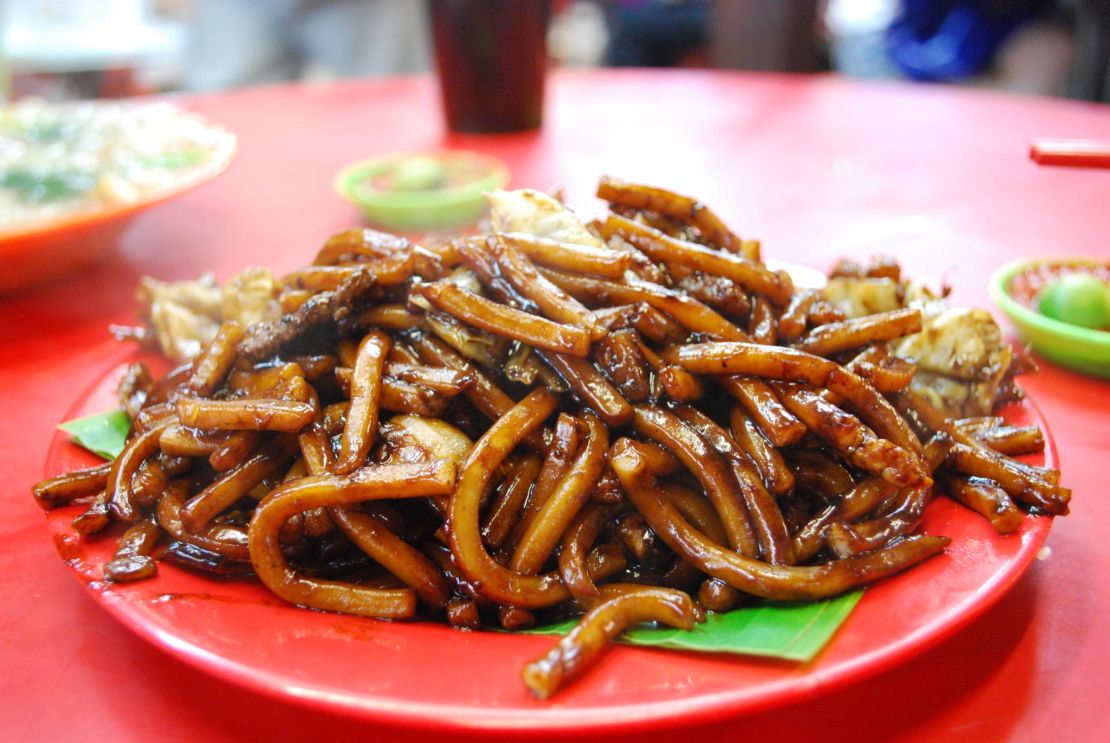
[(560, 719), (219, 160)]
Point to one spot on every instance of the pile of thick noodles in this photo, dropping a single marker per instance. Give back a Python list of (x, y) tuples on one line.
[(635, 422)]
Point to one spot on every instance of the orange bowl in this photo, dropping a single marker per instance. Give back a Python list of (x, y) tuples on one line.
[(33, 253)]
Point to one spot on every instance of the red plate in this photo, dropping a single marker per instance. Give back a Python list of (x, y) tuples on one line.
[(36, 252), (432, 676)]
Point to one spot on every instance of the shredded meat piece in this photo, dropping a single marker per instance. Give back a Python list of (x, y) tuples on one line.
[(717, 291), (337, 307), (134, 388)]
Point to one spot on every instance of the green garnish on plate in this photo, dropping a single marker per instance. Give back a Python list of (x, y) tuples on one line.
[(795, 632), (175, 159), (41, 188), (101, 433)]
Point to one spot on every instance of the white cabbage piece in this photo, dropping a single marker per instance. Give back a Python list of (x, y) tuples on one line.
[(414, 439), (185, 315), (536, 213), (961, 343), (250, 297), (857, 297), (961, 361), (960, 354)]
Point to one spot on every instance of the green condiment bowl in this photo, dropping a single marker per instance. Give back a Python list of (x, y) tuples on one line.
[(1082, 349), (420, 209)]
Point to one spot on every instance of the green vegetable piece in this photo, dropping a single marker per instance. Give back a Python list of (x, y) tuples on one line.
[(419, 174), (101, 433), (46, 187), (44, 130), (175, 159), (1077, 299), (794, 632), (48, 131)]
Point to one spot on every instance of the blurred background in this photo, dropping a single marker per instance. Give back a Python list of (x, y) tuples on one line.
[(71, 49)]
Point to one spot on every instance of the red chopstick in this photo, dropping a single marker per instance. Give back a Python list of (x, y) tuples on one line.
[(1077, 153)]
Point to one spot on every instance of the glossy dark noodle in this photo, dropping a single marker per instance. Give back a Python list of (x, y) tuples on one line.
[(509, 429)]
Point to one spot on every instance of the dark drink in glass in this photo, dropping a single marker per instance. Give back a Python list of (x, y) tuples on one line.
[(491, 56)]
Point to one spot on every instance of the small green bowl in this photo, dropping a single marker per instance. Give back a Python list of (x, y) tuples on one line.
[(1081, 349), (423, 209)]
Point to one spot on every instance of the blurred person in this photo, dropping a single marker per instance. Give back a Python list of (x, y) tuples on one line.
[(778, 35), (1016, 45), (1023, 46), (75, 49), (252, 42), (1091, 75), (856, 31), (579, 35), (948, 40), (657, 33)]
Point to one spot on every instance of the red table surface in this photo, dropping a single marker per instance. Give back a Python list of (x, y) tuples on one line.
[(817, 167)]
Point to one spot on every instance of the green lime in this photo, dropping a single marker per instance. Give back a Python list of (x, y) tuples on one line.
[(419, 174), (1077, 299)]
